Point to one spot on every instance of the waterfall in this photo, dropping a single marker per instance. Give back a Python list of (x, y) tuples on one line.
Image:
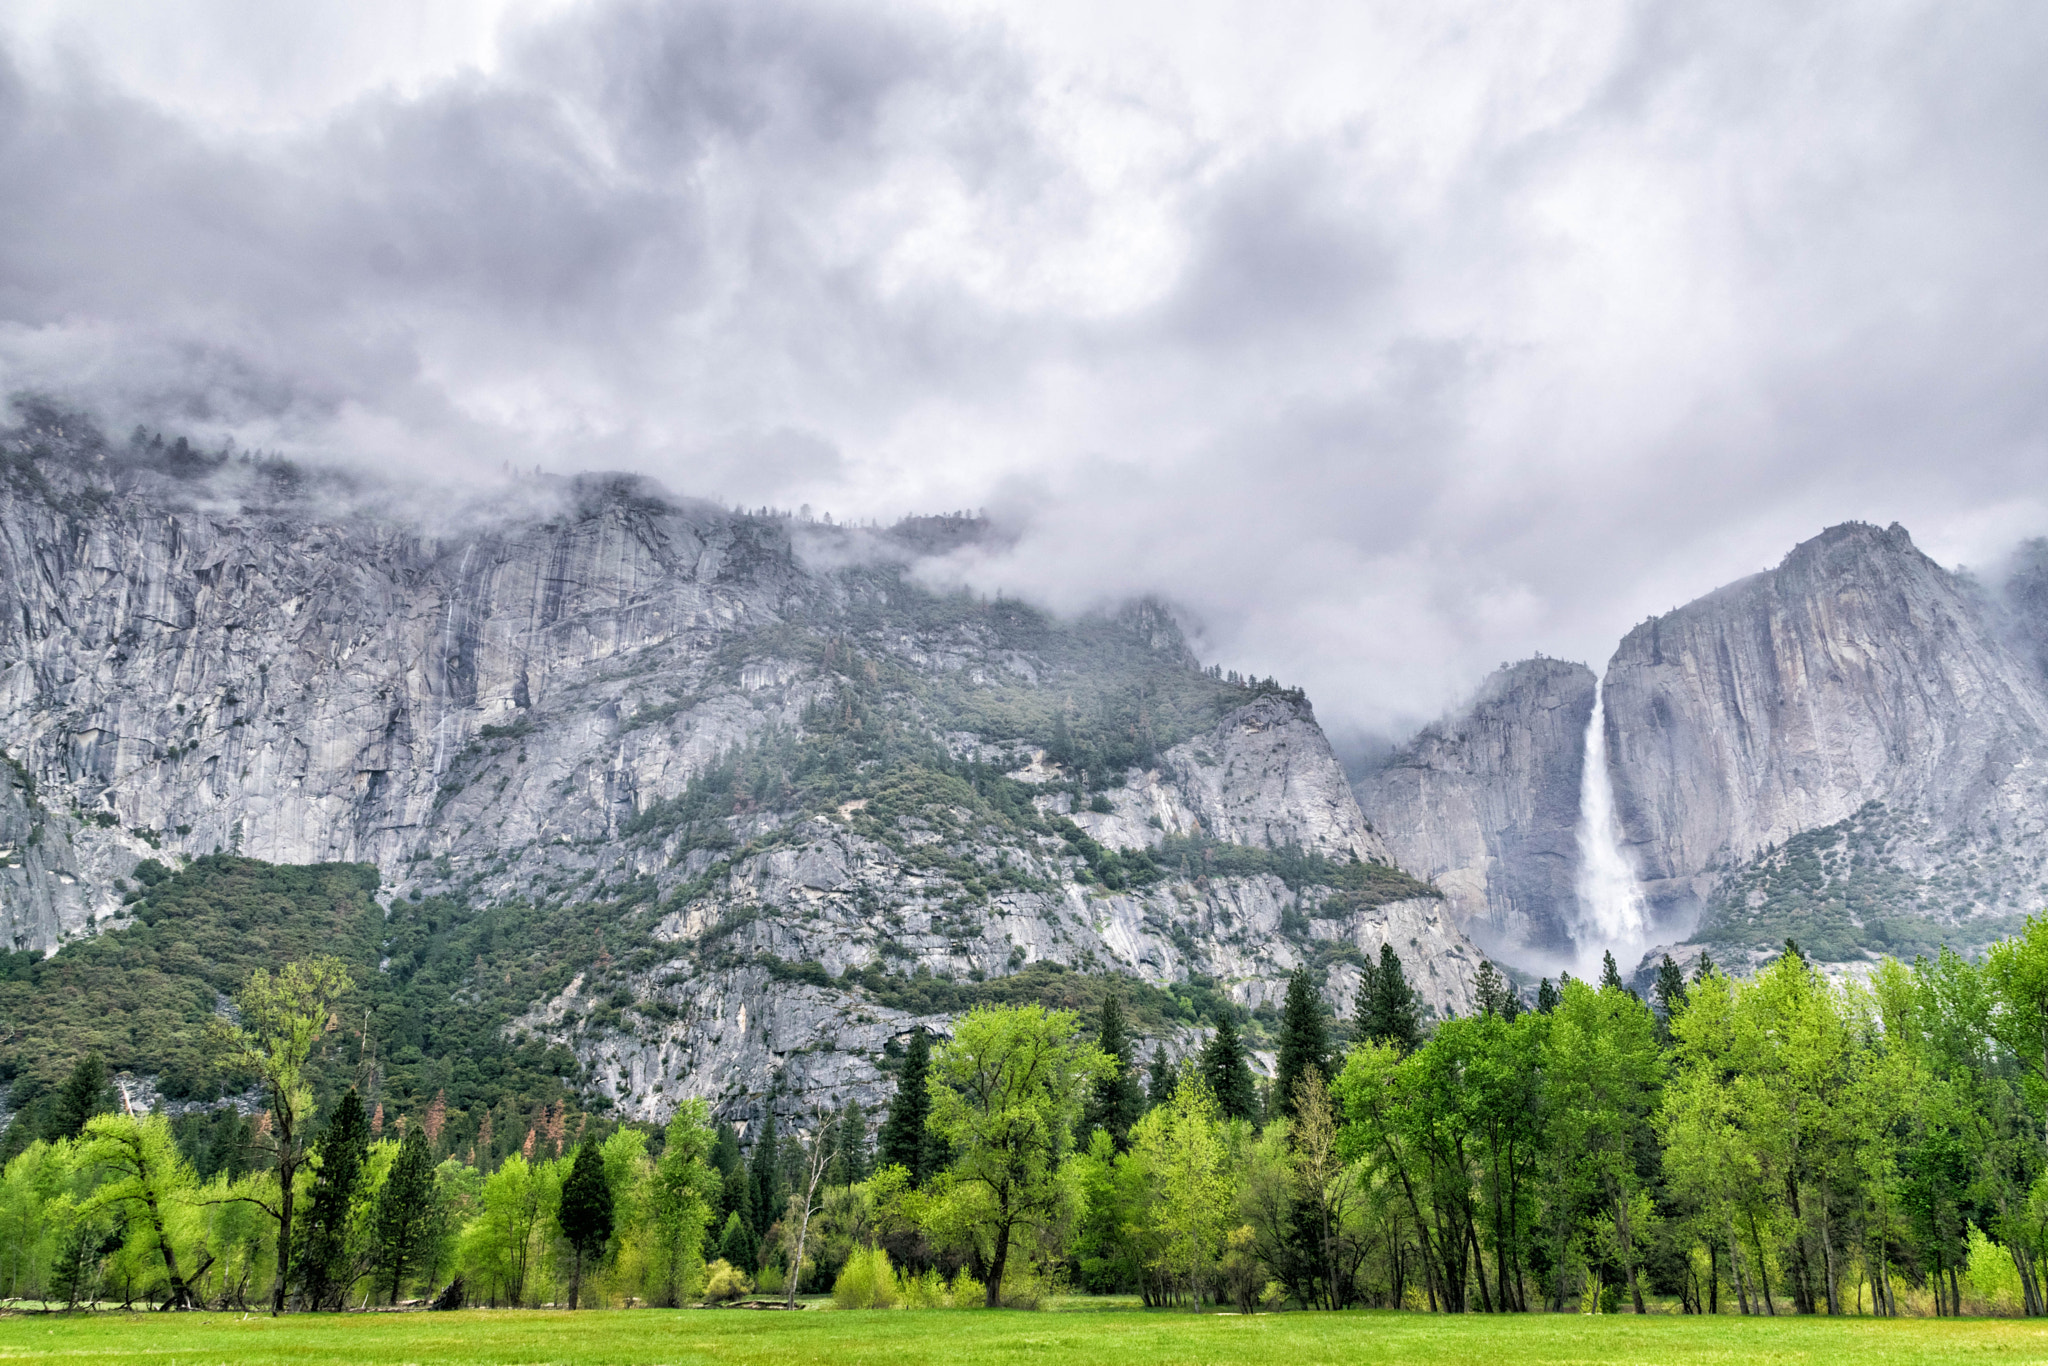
[(1611, 909)]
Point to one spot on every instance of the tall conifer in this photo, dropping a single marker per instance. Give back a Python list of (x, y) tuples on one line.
[(1304, 1041)]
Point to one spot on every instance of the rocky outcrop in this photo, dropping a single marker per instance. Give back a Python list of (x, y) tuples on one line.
[(505, 698), (1485, 804), (1859, 670)]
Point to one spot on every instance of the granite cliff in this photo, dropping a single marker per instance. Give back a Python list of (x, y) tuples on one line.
[(1851, 749), (796, 779)]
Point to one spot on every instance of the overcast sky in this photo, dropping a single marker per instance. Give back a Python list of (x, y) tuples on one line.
[(1392, 340)]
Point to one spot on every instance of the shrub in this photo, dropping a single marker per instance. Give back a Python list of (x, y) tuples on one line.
[(966, 1292), (866, 1282), (724, 1281), (927, 1291)]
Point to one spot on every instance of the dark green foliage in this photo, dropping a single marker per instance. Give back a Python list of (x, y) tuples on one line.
[(904, 1141), (1610, 975), (408, 1215), (735, 1192), (1161, 1078), (1052, 985), (1117, 1101), (1228, 1074), (1304, 1041), (1841, 889), (343, 1148), (585, 1212), (770, 1190), (85, 1093), (1670, 989), (1546, 997), (451, 977), (1388, 1010), (738, 1245), (849, 1147), (1496, 999)]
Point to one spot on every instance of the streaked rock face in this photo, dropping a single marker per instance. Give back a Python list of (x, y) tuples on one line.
[(1857, 670), (1485, 803), (481, 701)]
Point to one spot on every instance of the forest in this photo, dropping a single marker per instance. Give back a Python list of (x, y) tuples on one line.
[(1786, 1143)]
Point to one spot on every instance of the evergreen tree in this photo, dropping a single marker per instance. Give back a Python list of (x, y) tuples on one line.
[(1162, 1079), (849, 1147), (733, 1188), (767, 1178), (1704, 969), (85, 1093), (585, 1214), (1304, 1041), (406, 1211), (1546, 997), (1117, 1100), (902, 1142), (1228, 1075), (344, 1148), (1610, 975), (1670, 988), (738, 1245), (1491, 990), (1390, 1011)]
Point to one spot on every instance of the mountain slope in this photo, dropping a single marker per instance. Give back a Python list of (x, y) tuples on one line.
[(797, 778)]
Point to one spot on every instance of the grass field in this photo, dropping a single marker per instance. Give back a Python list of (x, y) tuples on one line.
[(1115, 1339)]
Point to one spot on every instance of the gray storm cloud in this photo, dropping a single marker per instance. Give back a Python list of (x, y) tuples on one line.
[(1390, 341)]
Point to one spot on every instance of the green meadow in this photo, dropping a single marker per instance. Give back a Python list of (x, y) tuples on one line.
[(1129, 1338)]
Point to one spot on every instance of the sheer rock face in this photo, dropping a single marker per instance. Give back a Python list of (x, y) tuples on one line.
[(483, 704), (1858, 670), (1485, 803)]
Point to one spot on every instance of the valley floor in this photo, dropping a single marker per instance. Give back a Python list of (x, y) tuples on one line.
[(1123, 1338)]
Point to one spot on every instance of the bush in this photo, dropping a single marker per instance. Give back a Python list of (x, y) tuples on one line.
[(724, 1281), (966, 1292), (868, 1281), (1993, 1280), (927, 1291)]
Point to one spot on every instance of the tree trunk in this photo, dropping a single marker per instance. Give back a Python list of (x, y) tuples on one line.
[(576, 1278), (994, 1298)]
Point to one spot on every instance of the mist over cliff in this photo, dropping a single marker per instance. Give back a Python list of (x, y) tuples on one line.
[(799, 802)]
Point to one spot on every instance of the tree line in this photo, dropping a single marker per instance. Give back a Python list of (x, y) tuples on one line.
[(1781, 1143)]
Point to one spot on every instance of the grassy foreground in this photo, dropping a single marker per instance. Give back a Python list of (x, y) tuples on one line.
[(1116, 1339)]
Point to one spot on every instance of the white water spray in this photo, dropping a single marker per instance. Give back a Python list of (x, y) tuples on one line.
[(1612, 913)]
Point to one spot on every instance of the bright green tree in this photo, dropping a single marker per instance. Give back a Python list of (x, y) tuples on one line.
[(145, 1181), (1006, 1092), (283, 1018), (686, 1190)]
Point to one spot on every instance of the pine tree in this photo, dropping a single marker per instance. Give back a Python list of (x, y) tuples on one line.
[(1492, 992), (1162, 1079), (1546, 997), (406, 1211), (1670, 989), (767, 1178), (737, 1244), (1392, 1012), (585, 1214), (1610, 975), (1304, 1041), (1228, 1075), (85, 1093), (849, 1147), (344, 1148), (1117, 1100), (731, 1167), (902, 1142), (1704, 969)]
